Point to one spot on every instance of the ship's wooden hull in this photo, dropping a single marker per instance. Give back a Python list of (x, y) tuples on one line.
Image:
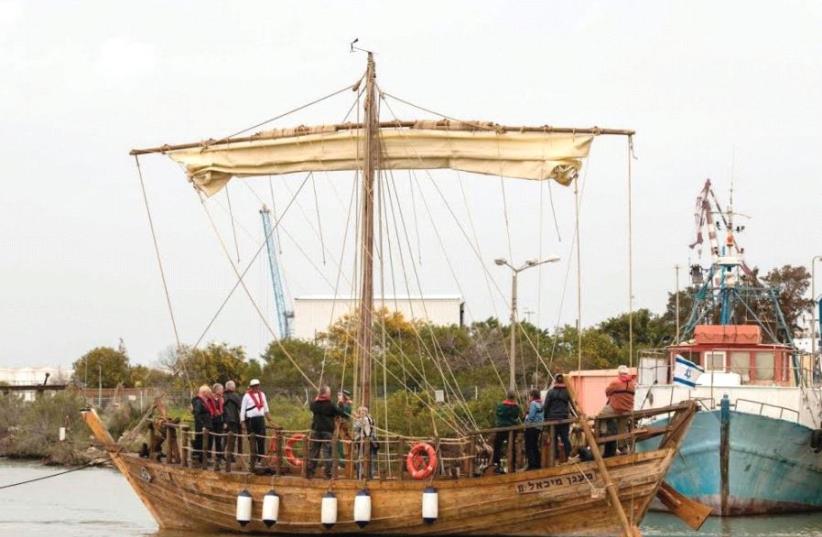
[(563, 500)]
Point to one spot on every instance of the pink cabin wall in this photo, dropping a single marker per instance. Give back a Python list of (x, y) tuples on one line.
[(589, 387)]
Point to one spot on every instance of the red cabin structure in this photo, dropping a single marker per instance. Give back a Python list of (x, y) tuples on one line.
[(737, 349)]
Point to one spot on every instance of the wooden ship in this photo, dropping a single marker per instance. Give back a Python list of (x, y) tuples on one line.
[(452, 490)]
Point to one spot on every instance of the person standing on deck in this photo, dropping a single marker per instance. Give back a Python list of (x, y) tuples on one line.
[(216, 441), (620, 393), (322, 431), (508, 414), (202, 407), (365, 441), (346, 405), (533, 423), (253, 412), (558, 407), (231, 416)]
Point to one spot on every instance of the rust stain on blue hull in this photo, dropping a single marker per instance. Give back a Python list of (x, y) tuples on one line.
[(771, 466)]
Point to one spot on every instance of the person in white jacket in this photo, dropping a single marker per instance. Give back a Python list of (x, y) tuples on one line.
[(253, 412)]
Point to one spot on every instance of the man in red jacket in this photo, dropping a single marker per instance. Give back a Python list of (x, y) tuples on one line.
[(620, 393)]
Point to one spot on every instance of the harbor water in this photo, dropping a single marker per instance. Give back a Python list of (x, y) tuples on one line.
[(97, 502)]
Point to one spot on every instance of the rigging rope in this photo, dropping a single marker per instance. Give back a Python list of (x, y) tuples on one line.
[(579, 275), (160, 265), (434, 342), (284, 114), (319, 221), (630, 258), (233, 227), (456, 281), (337, 284), (250, 296), (274, 213), (248, 265)]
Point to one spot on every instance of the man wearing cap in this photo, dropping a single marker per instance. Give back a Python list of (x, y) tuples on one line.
[(253, 412), (620, 393)]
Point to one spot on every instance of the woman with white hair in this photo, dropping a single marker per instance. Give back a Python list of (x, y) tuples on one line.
[(365, 438), (231, 416)]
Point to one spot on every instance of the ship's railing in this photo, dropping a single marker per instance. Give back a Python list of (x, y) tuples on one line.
[(296, 452), (763, 407)]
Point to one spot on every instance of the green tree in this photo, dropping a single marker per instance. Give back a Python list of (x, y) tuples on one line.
[(105, 365), (279, 370), (253, 371), (792, 283), (140, 376), (216, 362)]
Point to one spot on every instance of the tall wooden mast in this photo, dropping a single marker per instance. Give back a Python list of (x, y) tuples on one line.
[(370, 159)]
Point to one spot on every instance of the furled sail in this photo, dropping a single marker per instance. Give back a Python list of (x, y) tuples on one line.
[(536, 153)]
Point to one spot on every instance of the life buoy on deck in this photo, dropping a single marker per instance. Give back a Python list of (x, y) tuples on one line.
[(289, 450), (415, 460)]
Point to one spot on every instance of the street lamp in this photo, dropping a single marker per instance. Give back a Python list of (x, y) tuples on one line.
[(814, 308), (512, 384)]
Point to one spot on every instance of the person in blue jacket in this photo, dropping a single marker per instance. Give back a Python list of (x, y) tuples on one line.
[(533, 428)]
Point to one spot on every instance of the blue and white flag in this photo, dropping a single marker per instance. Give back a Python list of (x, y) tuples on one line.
[(686, 372)]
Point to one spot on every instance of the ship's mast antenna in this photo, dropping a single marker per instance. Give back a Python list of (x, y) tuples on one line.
[(371, 153)]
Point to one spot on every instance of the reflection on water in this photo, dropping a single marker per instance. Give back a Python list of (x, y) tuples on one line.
[(99, 503), (667, 525)]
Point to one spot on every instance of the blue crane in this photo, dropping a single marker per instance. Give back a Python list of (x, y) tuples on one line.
[(284, 314)]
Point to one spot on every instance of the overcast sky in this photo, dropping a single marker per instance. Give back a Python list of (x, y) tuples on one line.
[(705, 85)]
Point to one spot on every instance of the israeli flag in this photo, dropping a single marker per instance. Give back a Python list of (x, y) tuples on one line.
[(686, 372)]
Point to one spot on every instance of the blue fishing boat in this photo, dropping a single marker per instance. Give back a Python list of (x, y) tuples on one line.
[(754, 448)]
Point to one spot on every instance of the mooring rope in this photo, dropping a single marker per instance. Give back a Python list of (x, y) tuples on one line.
[(27, 481)]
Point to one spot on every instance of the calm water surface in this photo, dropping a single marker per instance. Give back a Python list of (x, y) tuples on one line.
[(99, 503)]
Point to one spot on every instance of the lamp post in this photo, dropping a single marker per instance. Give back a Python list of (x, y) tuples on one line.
[(814, 320), (512, 383)]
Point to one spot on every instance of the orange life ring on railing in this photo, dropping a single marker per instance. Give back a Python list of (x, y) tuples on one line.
[(415, 460), (289, 450)]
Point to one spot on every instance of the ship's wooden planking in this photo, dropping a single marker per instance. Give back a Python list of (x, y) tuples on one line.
[(566, 499)]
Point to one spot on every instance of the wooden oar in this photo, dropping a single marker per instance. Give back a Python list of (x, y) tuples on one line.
[(692, 512), (628, 529)]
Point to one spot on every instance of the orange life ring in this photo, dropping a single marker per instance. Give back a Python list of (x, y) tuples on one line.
[(415, 460), (272, 457), (289, 450)]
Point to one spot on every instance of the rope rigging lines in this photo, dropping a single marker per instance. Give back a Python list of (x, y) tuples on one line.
[(400, 244)]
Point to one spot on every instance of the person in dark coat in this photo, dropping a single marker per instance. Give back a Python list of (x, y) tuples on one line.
[(558, 407), (322, 430), (217, 442), (508, 414), (231, 416), (202, 407)]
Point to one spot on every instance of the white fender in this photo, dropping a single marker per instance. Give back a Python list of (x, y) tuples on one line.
[(271, 508), (362, 508), (243, 507), (328, 510), (430, 505)]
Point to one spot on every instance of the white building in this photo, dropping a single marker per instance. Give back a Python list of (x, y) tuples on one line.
[(314, 314), (29, 376), (32, 376)]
